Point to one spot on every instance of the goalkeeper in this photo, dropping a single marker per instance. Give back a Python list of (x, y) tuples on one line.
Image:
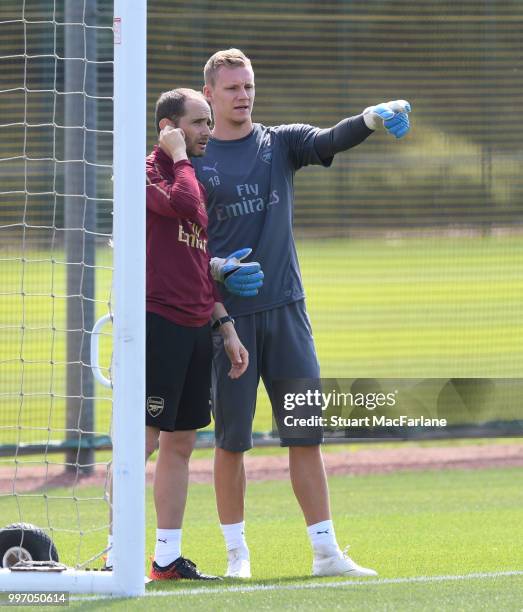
[(181, 302), (248, 170)]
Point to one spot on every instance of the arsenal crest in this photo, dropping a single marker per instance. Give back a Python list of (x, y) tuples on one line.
[(155, 406)]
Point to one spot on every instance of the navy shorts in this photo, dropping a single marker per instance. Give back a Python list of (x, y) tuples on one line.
[(178, 375), (281, 347)]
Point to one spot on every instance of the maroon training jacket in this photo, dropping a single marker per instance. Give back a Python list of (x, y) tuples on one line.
[(179, 283)]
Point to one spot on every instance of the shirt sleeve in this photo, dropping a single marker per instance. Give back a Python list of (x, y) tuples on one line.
[(180, 198), (298, 138), (215, 291), (344, 135)]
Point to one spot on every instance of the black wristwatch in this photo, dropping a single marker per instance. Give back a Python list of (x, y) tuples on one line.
[(219, 322)]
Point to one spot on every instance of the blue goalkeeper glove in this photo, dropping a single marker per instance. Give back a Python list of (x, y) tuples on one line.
[(393, 116), (243, 279)]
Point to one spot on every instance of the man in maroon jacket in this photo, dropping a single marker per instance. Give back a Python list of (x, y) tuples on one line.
[(181, 302)]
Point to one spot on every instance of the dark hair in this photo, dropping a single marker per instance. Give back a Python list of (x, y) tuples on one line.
[(171, 105)]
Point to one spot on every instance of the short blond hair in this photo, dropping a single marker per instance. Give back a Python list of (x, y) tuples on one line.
[(228, 57)]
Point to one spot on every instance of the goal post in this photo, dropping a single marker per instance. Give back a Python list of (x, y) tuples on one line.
[(126, 303), (129, 289)]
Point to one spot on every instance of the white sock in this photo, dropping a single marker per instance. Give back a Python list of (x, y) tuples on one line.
[(168, 546), (323, 539), (234, 535), (109, 556)]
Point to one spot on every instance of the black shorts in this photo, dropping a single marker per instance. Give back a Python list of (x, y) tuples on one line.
[(178, 375)]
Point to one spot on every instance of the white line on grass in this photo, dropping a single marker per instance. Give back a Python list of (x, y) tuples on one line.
[(245, 588)]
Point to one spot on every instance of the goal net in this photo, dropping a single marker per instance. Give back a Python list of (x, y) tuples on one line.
[(72, 78)]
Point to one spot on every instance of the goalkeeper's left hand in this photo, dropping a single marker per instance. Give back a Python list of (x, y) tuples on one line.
[(243, 279), (393, 116)]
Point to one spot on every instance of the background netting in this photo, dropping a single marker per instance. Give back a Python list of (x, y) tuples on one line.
[(316, 62), (55, 224)]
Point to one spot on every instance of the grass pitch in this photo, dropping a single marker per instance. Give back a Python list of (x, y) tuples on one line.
[(410, 308), (439, 540)]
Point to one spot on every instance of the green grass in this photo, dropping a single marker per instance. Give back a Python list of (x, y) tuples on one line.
[(407, 308), (504, 593), (448, 523), (435, 307)]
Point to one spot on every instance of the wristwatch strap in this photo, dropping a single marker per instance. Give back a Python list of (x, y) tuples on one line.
[(219, 322)]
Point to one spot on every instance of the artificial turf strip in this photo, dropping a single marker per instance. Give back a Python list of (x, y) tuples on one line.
[(403, 525)]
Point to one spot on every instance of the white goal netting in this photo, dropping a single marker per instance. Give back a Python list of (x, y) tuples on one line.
[(56, 115)]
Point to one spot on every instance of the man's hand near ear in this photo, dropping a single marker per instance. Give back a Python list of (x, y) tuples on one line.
[(172, 142)]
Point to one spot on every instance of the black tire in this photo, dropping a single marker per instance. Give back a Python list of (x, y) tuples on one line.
[(34, 543)]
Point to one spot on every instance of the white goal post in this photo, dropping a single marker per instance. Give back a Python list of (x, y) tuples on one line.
[(128, 300)]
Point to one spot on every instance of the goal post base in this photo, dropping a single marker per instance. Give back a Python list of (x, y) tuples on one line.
[(69, 580)]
